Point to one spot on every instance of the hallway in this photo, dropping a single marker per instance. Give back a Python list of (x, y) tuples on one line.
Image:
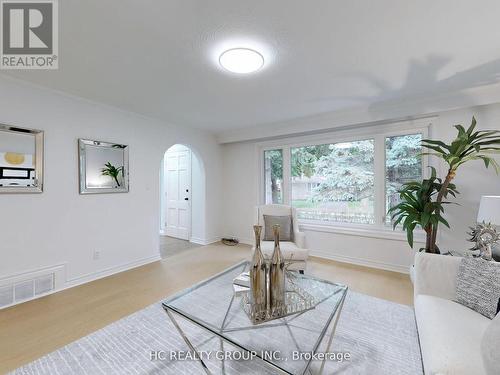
[(171, 246)]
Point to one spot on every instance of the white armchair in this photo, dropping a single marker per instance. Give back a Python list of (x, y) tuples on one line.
[(295, 251)]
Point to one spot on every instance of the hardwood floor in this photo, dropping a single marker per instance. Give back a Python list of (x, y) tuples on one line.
[(38, 327), (171, 246)]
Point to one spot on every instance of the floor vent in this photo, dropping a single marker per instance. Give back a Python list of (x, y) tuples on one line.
[(24, 290), (28, 286), (6, 295)]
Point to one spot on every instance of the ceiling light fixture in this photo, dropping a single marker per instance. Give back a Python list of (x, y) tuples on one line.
[(241, 60)]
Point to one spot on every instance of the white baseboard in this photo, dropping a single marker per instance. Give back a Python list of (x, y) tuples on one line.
[(204, 241), (58, 269), (70, 283), (56, 272), (346, 259), (362, 262), (197, 240), (110, 271), (247, 241)]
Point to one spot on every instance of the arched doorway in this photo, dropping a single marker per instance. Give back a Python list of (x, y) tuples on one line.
[(182, 200)]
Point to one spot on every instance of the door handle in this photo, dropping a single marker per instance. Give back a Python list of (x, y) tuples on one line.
[(186, 199)]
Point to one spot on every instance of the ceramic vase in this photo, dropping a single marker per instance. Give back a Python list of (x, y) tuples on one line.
[(276, 275), (258, 275)]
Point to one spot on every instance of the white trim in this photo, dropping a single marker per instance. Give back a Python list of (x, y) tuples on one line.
[(261, 171), (361, 262), (204, 241), (351, 260), (92, 276), (363, 231), (379, 183), (346, 135), (196, 240), (247, 241), (31, 299), (285, 153), (70, 283), (287, 176), (58, 269)]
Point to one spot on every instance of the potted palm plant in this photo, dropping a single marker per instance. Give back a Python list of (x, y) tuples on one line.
[(422, 203), (418, 208)]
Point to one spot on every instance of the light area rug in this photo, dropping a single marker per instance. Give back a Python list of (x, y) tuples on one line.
[(380, 336)]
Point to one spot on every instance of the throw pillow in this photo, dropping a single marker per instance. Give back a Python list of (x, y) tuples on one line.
[(478, 286), (285, 223)]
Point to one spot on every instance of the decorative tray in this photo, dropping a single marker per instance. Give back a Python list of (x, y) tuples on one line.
[(297, 301)]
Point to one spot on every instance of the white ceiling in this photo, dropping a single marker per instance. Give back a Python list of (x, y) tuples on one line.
[(159, 57)]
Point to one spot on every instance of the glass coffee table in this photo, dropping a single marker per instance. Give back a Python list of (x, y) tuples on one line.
[(289, 345)]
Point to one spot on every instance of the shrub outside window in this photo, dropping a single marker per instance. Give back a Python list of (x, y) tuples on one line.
[(334, 182), (351, 182)]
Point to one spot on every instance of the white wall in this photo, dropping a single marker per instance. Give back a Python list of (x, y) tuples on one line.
[(473, 180), (60, 226), (197, 196)]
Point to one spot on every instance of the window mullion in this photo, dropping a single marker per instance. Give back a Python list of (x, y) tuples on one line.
[(287, 182), (379, 180)]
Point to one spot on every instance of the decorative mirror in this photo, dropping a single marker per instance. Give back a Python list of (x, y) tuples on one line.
[(103, 167), (21, 160)]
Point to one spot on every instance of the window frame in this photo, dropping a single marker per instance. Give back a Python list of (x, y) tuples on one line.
[(379, 134), (263, 172), (424, 172)]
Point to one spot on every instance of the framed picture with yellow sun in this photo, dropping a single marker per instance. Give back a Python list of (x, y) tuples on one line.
[(21, 160)]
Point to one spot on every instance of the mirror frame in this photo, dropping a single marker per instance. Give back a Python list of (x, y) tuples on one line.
[(38, 188), (82, 158)]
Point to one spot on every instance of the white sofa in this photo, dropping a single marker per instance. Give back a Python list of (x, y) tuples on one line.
[(454, 339), (292, 251)]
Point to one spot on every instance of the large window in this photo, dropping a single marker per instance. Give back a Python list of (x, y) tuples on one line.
[(273, 176), (334, 182), (349, 182)]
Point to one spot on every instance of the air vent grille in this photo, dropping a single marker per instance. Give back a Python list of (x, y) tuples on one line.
[(22, 290), (6, 295), (44, 284)]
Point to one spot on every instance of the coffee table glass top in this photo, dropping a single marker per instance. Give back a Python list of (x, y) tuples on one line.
[(213, 305)]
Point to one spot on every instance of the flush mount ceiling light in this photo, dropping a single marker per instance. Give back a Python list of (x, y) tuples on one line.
[(241, 60)]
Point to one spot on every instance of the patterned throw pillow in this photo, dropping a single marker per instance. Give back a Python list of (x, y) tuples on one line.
[(478, 286), (285, 223)]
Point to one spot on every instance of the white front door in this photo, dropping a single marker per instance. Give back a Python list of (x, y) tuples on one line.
[(178, 193)]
